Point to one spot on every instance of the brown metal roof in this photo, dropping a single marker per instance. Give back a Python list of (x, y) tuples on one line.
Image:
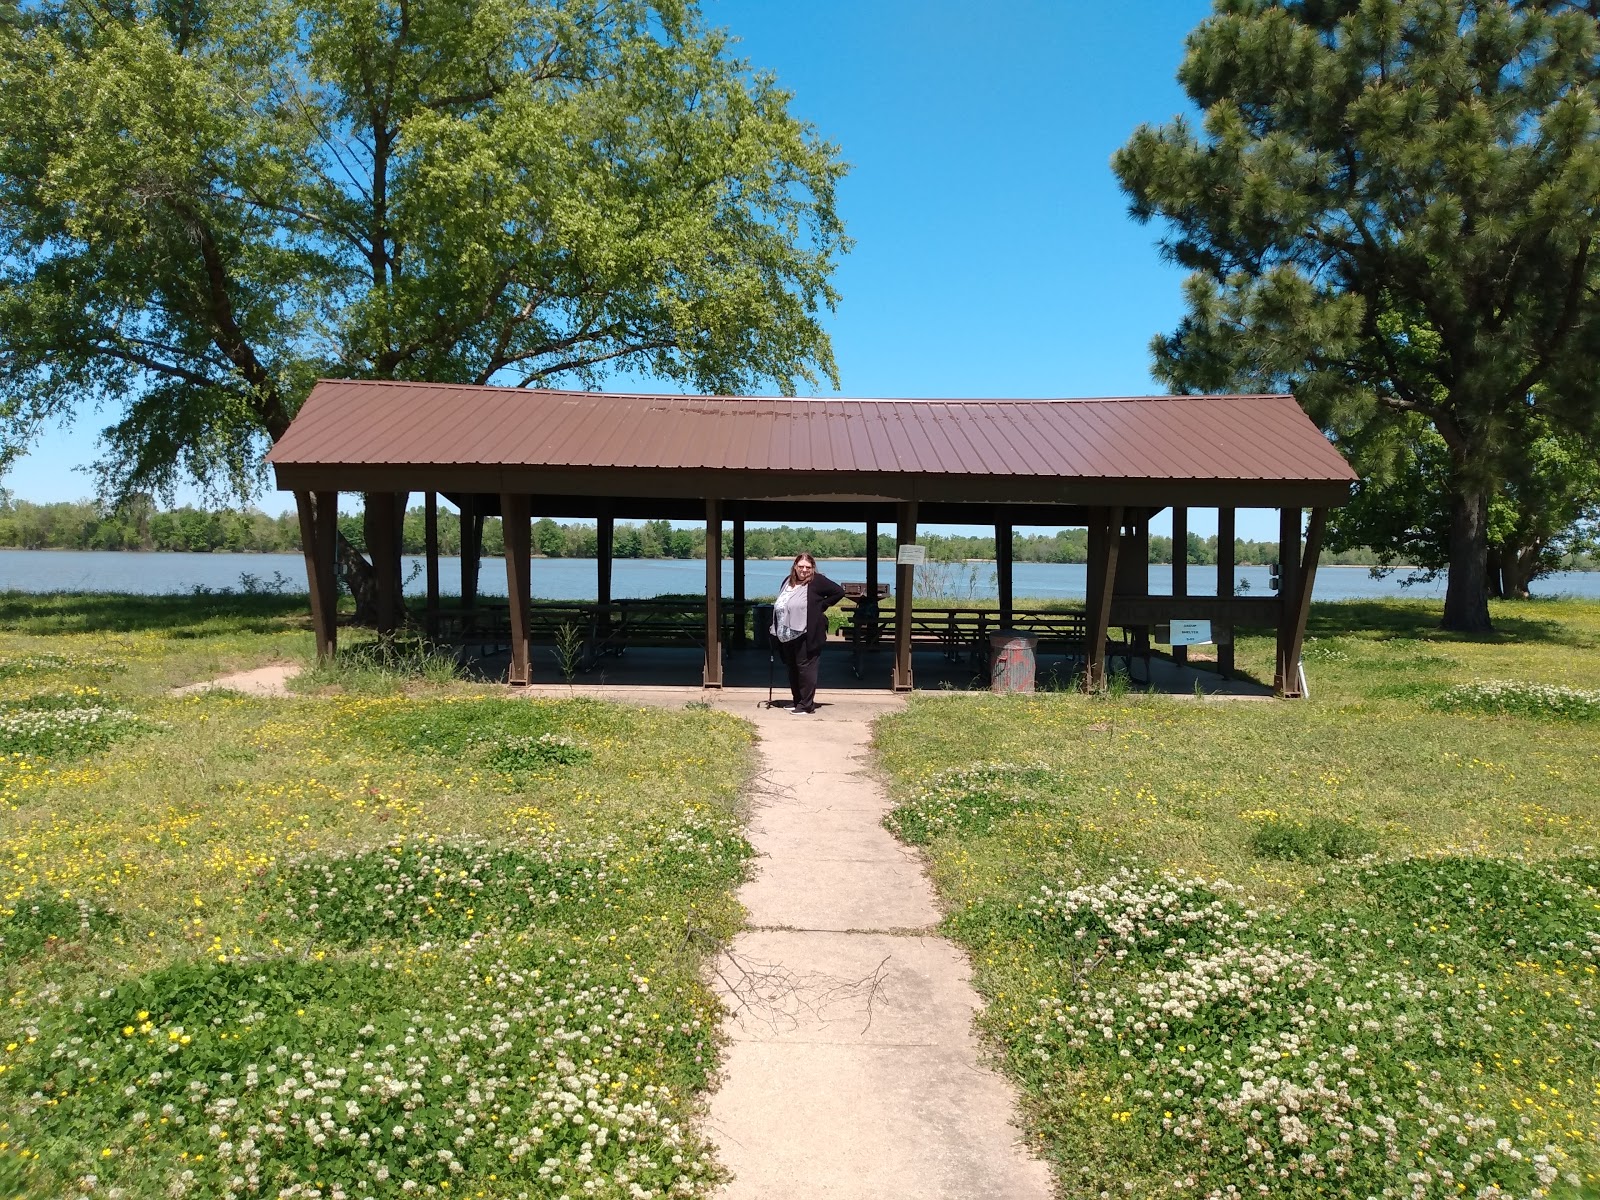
[(1233, 439)]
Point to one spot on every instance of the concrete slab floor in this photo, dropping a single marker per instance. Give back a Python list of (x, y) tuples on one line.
[(853, 1069), (747, 670)]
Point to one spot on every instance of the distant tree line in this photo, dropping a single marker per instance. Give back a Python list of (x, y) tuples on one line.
[(139, 525)]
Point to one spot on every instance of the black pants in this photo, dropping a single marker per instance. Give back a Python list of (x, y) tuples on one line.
[(802, 665)]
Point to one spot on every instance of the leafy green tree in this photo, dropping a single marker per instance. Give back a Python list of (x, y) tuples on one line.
[(1536, 520), (1391, 210), (204, 206)]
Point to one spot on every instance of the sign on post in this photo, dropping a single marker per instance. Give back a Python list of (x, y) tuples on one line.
[(911, 555), (1190, 633)]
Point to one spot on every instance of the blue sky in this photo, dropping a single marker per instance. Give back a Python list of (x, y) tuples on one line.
[(993, 251)]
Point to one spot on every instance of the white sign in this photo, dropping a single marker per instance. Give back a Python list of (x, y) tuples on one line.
[(1190, 633), (912, 555)]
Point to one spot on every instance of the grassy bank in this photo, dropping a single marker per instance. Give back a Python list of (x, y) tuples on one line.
[(435, 941), (1341, 947)]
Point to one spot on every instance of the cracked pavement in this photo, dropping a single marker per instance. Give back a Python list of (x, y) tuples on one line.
[(853, 1068)]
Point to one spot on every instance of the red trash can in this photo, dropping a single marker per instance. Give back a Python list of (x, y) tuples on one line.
[(1011, 660)]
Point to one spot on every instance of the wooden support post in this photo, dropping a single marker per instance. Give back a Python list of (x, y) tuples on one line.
[(1105, 538), (605, 534), (904, 586), (1132, 574), (871, 606), (319, 528), (471, 549), (1180, 569), (713, 669), (1223, 635), (516, 527), (872, 559), (1305, 578), (1003, 574), (738, 582), (605, 537), (430, 534), (1284, 672), (385, 552)]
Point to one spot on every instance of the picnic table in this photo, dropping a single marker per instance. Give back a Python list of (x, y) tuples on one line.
[(600, 629), (959, 632)]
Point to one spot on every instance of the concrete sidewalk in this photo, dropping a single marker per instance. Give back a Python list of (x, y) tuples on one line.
[(853, 1069)]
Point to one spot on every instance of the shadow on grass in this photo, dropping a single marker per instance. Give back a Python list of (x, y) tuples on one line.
[(195, 615), (1384, 620)]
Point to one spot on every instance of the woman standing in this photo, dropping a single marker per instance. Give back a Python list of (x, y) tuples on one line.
[(800, 625)]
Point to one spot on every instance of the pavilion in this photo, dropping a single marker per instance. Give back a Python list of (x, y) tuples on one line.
[(1107, 464)]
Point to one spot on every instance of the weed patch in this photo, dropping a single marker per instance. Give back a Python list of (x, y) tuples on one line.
[(63, 724), (1523, 700), (300, 1079), (46, 920), (968, 798), (1312, 840)]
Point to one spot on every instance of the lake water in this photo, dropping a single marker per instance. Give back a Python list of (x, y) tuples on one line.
[(574, 578)]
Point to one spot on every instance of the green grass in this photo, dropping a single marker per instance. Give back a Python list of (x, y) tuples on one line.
[(396, 928), (1334, 947)]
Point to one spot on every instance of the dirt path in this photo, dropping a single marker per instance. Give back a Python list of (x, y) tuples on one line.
[(270, 680)]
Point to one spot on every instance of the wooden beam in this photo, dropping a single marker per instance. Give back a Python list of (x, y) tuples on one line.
[(430, 533), (713, 668), (518, 532), (738, 582), (844, 487), (319, 524), (385, 552), (1307, 577), (1259, 612), (1226, 522), (1105, 537), (1180, 569), (904, 585), (1283, 675), (1003, 575)]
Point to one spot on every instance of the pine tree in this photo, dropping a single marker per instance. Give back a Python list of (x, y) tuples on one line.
[(1390, 209)]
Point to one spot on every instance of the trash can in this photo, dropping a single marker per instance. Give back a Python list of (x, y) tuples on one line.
[(1011, 661), (762, 616)]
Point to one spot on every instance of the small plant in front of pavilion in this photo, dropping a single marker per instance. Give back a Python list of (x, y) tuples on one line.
[(568, 650)]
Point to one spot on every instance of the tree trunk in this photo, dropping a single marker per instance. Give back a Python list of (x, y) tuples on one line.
[(1466, 597), (1518, 568), (362, 581), (1496, 574)]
